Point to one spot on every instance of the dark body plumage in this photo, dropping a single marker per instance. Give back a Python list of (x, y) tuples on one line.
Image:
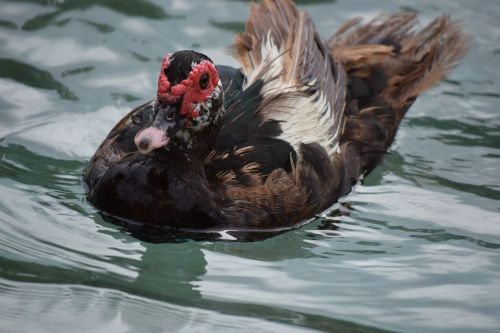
[(301, 121)]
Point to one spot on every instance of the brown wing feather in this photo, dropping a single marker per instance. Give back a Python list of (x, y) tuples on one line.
[(303, 89)]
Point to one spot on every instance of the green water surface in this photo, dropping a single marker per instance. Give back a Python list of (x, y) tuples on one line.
[(415, 248)]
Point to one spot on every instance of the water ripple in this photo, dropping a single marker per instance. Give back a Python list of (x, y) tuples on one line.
[(414, 248)]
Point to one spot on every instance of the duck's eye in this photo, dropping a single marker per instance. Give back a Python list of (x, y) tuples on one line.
[(170, 116), (204, 81)]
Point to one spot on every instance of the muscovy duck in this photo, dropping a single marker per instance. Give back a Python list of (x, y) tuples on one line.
[(282, 138)]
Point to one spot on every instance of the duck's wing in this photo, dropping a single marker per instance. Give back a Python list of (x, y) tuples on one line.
[(302, 88), (292, 94), (285, 124)]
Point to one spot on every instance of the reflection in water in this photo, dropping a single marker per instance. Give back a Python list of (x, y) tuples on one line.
[(101, 27), (435, 207), (8, 24), (17, 102), (141, 8), (234, 26), (478, 134), (78, 70), (108, 310), (33, 77)]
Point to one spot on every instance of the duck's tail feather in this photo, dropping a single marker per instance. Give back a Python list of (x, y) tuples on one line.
[(389, 62)]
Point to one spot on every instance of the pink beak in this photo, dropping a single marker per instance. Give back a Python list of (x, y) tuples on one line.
[(150, 138)]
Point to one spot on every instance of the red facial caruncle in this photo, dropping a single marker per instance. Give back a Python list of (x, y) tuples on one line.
[(197, 87)]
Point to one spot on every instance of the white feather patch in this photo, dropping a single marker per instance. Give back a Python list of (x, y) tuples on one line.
[(304, 117)]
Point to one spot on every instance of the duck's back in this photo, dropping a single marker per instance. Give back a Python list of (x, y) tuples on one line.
[(323, 112), (276, 149)]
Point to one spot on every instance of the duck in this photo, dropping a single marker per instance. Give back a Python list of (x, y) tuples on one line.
[(280, 139)]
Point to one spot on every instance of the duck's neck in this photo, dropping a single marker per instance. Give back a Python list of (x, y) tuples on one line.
[(191, 149)]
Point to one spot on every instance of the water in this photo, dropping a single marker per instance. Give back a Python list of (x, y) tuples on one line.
[(415, 248)]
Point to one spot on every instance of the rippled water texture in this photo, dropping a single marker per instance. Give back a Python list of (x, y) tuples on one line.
[(415, 248)]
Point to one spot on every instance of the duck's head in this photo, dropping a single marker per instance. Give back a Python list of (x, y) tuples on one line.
[(189, 99)]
